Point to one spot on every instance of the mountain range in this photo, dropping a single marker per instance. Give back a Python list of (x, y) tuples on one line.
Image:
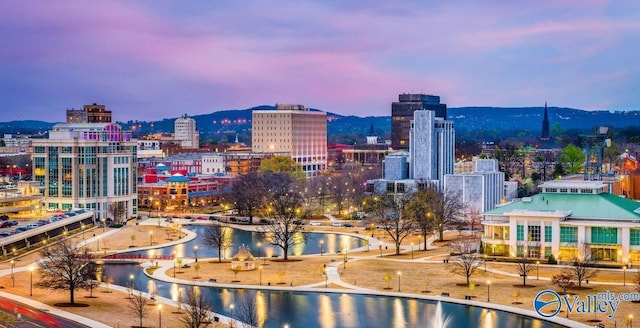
[(529, 119)]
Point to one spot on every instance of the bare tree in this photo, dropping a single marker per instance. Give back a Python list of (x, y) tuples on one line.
[(248, 194), (138, 305), (218, 237), (249, 315), (118, 210), (420, 213), (447, 209), (563, 280), (197, 307), (467, 257), (581, 266), (524, 265), (66, 267), (287, 209), (389, 209)]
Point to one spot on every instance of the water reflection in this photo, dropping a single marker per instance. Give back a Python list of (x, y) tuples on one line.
[(311, 310), (308, 243)]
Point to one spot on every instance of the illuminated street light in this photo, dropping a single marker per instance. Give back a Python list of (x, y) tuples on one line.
[(30, 281), (488, 290), (399, 274), (160, 315)]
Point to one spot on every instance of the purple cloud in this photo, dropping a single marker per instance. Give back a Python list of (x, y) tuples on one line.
[(154, 60)]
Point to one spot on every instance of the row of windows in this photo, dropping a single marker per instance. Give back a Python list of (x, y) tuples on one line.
[(121, 160)]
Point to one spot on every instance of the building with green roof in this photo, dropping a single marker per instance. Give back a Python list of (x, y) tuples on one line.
[(563, 218)]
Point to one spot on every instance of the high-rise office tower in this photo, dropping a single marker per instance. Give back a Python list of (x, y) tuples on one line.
[(89, 114), (402, 114), (545, 125), (292, 130), (185, 132), (87, 165), (431, 147)]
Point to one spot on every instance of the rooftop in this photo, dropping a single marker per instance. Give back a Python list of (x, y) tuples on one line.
[(581, 206)]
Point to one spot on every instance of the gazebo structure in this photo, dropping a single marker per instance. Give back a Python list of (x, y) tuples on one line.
[(243, 260)]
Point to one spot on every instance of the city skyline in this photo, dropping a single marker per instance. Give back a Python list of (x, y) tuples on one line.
[(155, 61)]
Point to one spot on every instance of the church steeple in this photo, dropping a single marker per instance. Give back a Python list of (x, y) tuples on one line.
[(545, 124)]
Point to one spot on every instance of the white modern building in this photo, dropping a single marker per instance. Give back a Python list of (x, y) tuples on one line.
[(87, 165), (566, 217), (431, 146), (185, 132), (294, 131), (149, 148), (480, 190)]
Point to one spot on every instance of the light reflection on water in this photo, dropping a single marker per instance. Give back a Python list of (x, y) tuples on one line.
[(309, 243), (326, 310)]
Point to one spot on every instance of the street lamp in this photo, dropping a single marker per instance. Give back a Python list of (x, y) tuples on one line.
[(260, 270), (537, 270), (399, 274), (326, 276), (98, 245), (174, 267), (82, 228), (30, 281), (380, 247), (159, 315), (321, 243), (259, 253), (130, 285), (195, 252), (150, 238), (13, 281), (624, 275), (631, 320), (488, 290), (104, 226), (231, 307), (412, 251)]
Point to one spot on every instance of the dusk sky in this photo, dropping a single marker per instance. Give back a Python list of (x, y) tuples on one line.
[(149, 60)]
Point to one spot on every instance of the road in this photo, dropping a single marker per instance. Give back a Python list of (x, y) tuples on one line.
[(30, 317)]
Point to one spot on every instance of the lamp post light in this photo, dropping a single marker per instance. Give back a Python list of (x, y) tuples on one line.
[(30, 281), (13, 281), (399, 274), (151, 207), (195, 252), (624, 275), (537, 270), (485, 262), (259, 250), (130, 285), (150, 238), (326, 276), (488, 290), (82, 228), (321, 243), (260, 270), (380, 247), (98, 245), (231, 307), (631, 320), (159, 315), (104, 225), (412, 251), (174, 267)]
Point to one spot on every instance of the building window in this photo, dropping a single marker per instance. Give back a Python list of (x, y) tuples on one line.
[(520, 232), (390, 187), (547, 234), (568, 234), (400, 187), (534, 233), (547, 251), (519, 251), (635, 237), (602, 235)]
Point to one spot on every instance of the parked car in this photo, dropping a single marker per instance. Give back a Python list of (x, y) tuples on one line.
[(336, 224), (5, 234), (315, 223), (299, 222), (5, 224), (21, 229), (201, 218), (32, 226), (233, 219), (245, 220), (4, 217), (13, 222), (348, 225), (42, 222)]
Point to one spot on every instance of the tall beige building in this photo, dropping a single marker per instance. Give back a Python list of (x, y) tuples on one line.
[(185, 132), (295, 131)]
